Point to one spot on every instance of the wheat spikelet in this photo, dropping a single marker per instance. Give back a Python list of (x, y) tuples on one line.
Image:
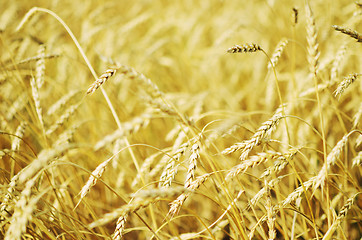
[(359, 140), (295, 16), (356, 161), (120, 225), (357, 117), (313, 52), (101, 79), (175, 206), (347, 81), (280, 163), (270, 216), (145, 168), (130, 127), (38, 57), (61, 102), (151, 88), (20, 130), (352, 33), (40, 66), (160, 105), (192, 165), (251, 162), (66, 136), (35, 92), (45, 157), (93, 178), (312, 90), (263, 191), (70, 111), (244, 48), (299, 191), (331, 160), (318, 180), (337, 62), (170, 169), (342, 214), (262, 132), (23, 212), (159, 192), (116, 147), (277, 53), (126, 209), (16, 107), (344, 210)]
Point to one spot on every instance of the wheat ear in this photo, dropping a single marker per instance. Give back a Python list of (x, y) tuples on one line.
[(93, 178), (244, 48), (277, 53), (246, 146), (158, 193), (357, 117), (175, 206), (357, 160), (193, 164), (270, 216), (23, 212), (342, 214), (70, 111), (313, 52), (40, 66), (352, 33), (101, 79), (347, 81)]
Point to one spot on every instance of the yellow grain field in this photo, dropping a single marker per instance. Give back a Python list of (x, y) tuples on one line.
[(180, 119)]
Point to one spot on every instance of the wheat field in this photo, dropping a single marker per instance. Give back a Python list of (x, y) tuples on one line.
[(181, 119)]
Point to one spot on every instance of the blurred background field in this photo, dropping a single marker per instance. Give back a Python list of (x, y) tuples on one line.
[(167, 118)]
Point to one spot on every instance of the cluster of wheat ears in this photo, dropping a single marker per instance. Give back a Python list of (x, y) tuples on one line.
[(207, 120)]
